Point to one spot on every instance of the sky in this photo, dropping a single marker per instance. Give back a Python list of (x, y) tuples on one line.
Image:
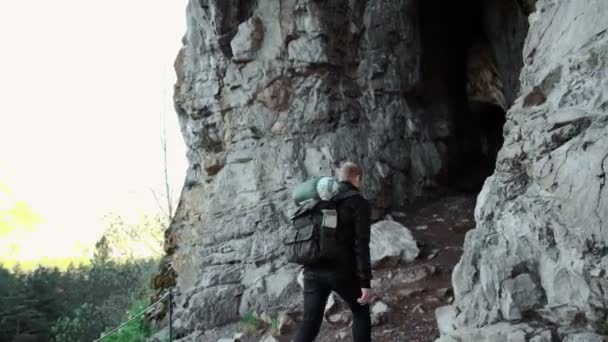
[(84, 87)]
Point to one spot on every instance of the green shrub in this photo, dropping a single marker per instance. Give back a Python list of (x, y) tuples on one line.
[(274, 324), (251, 323), (136, 330)]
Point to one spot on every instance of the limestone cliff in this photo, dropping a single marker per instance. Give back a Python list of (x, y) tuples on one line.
[(539, 253), (271, 92)]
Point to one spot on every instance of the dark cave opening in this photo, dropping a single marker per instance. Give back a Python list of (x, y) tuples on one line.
[(471, 60)]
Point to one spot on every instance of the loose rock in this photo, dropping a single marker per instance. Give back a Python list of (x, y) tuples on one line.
[(268, 338), (378, 312), (418, 309), (338, 318), (406, 293), (342, 335), (391, 243), (433, 254), (413, 274)]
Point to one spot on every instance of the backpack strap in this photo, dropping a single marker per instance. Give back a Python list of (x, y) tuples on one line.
[(344, 195), (301, 211)]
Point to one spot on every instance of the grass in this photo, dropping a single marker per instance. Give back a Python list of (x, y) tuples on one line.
[(251, 323), (274, 325)]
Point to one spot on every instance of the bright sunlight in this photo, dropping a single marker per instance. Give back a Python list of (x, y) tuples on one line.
[(86, 90)]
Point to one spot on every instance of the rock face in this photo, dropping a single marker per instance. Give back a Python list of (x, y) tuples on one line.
[(271, 92), (539, 251)]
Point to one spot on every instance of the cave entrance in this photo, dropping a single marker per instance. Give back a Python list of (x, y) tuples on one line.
[(471, 60)]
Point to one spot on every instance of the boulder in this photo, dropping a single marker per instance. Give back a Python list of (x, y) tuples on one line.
[(391, 243)]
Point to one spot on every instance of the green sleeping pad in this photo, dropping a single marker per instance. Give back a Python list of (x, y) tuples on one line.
[(315, 189)]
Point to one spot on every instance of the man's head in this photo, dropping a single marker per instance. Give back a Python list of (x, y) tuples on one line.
[(350, 172)]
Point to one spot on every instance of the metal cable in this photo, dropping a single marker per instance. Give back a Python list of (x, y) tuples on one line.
[(132, 318)]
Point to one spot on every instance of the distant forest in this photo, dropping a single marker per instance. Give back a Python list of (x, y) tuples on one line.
[(79, 302)]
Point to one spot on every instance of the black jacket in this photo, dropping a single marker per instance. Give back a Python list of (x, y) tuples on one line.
[(353, 238)]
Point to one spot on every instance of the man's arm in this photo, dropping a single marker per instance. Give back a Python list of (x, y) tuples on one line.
[(362, 232)]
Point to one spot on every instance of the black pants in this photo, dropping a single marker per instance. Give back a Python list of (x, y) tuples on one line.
[(317, 287)]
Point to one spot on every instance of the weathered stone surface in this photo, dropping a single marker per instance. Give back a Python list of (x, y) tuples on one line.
[(585, 337), (264, 290), (521, 294), (500, 332), (210, 307), (539, 247), (247, 40), (391, 243), (276, 96), (268, 338), (445, 317)]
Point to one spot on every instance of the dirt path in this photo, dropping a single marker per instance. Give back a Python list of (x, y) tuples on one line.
[(413, 292)]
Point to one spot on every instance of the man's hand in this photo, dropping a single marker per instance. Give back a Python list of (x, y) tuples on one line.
[(365, 297)]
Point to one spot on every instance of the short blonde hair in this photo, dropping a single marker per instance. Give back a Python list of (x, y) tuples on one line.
[(348, 171)]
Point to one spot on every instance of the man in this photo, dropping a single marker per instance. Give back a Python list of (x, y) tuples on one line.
[(350, 274)]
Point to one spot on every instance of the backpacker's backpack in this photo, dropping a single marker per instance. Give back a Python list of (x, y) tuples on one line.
[(311, 239)]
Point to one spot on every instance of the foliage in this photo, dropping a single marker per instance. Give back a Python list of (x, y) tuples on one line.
[(136, 329), (83, 325), (81, 301), (29, 302), (124, 240), (15, 214), (88, 321), (274, 325), (61, 264), (251, 323)]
